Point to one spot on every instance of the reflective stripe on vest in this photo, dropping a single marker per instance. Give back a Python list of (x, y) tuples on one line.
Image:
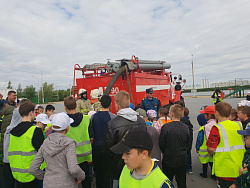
[(21, 154), (84, 110), (83, 143), (160, 121), (80, 134), (204, 157), (23, 171), (226, 147), (230, 151), (155, 178)]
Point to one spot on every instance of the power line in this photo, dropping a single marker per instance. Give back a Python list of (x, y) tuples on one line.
[(33, 72), (17, 70)]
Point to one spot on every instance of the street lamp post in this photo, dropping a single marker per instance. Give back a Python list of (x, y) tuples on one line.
[(193, 90)]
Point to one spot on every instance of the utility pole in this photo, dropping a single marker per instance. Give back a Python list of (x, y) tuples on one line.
[(38, 93), (42, 86), (193, 70), (194, 91)]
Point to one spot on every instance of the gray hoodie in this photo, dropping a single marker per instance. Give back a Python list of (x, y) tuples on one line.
[(15, 120), (62, 169), (128, 113)]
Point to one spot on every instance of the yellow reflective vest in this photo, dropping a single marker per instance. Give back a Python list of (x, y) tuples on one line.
[(155, 179), (80, 134), (21, 154), (215, 98), (204, 157), (230, 151)]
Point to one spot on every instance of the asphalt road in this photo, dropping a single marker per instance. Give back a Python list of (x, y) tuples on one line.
[(194, 105)]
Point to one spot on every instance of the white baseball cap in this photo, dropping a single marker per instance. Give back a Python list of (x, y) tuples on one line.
[(36, 107), (61, 120), (43, 118)]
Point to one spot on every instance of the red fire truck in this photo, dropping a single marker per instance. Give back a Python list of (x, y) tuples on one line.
[(132, 75)]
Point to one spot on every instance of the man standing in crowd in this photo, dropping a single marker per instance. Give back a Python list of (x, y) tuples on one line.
[(83, 103), (125, 120), (10, 100), (6, 119), (226, 146), (150, 102), (99, 122)]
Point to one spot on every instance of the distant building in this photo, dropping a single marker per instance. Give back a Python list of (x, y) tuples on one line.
[(205, 83), (231, 83)]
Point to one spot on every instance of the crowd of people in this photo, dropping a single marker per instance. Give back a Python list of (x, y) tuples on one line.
[(145, 146)]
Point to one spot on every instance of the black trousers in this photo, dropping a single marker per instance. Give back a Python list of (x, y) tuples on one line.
[(99, 165), (178, 172), (8, 179), (224, 183), (86, 182), (205, 166)]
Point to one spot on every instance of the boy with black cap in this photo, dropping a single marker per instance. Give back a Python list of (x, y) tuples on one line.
[(139, 170), (243, 180)]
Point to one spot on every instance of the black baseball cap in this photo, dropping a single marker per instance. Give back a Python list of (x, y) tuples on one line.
[(244, 132), (134, 138)]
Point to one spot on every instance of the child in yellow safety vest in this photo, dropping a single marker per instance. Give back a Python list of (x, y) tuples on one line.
[(202, 137), (140, 170)]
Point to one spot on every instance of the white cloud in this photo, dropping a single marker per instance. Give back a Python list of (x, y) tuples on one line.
[(51, 36)]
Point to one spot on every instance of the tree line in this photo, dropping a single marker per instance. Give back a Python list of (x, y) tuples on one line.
[(47, 91)]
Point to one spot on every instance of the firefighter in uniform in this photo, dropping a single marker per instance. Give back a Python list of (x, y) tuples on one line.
[(150, 102), (95, 103), (83, 104)]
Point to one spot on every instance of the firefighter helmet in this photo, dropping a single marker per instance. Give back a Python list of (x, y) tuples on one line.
[(95, 94), (82, 91)]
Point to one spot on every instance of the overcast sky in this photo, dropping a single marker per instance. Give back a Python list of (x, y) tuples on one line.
[(49, 37)]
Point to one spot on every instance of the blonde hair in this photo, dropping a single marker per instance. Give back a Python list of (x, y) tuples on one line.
[(177, 110), (122, 98)]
